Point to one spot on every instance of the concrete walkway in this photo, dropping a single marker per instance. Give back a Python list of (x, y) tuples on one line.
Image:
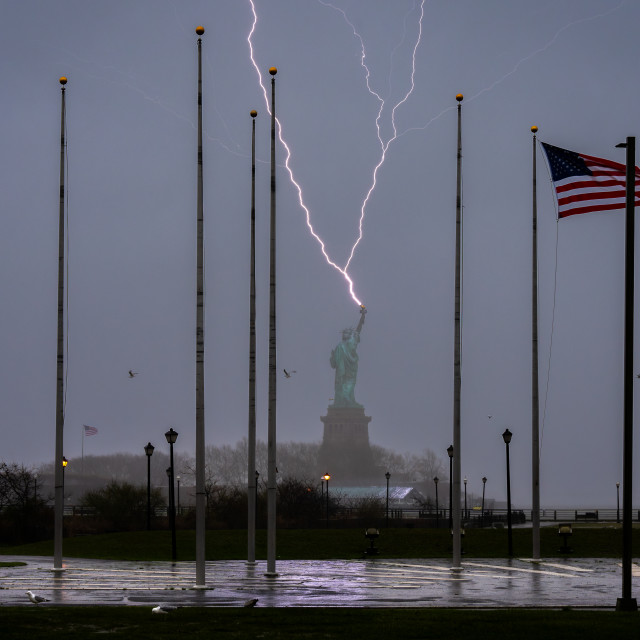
[(329, 583)]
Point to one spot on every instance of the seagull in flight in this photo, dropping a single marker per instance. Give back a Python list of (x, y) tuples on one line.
[(36, 599), (287, 374), (132, 374)]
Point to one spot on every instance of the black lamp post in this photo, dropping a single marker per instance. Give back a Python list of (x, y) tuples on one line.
[(171, 437), (257, 476), (435, 481), (326, 478), (506, 436), (466, 515), (450, 452), (149, 451), (618, 503), (484, 486), (65, 462), (178, 481), (387, 476)]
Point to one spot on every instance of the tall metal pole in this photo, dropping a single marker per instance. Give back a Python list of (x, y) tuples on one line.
[(455, 513), (200, 488), (626, 602), (535, 413), (251, 441), (271, 427), (59, 469)]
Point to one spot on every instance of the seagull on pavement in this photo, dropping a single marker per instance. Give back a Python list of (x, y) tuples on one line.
[(36, 599), (164, 608), (251, 603)]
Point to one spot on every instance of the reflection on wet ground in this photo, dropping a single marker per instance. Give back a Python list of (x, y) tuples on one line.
[(327, 583)]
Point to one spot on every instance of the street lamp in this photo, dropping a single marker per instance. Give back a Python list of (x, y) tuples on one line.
[(149, 451), (65, 462), (506, 436), (257, 476), (450, 452), (618, 503), (466, 515), (326, 477), (435, 481), (387, 476), (171, 437), (484, 486)]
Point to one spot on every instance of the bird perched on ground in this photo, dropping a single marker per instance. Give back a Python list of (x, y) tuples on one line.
[(164, 608), (132, 374), (251, 603), (36, 599), (287, 374)]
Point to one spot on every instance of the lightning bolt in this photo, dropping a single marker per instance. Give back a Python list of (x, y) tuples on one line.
[(384, 144)]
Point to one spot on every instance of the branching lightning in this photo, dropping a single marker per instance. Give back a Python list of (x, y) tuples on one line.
[(384, 144)]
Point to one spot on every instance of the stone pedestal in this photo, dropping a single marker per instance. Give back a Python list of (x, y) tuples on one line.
[(345, 452)]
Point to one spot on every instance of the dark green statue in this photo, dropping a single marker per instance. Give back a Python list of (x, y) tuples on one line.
[(344, 359)]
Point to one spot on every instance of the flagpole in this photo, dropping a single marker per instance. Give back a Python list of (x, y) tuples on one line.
[(626, 602), (200, 486), (535, 410), (271, 428), (251, 442), (58, 471), (457, 383)]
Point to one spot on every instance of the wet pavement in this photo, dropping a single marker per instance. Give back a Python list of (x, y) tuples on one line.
[(578, 583)]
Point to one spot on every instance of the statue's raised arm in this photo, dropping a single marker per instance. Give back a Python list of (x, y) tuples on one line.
[(363, 311)]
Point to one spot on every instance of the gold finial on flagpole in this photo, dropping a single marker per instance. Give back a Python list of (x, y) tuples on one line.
[(273, 71), (253, 113), (200, 30), (534, 129), (63, 81), (459, 97)]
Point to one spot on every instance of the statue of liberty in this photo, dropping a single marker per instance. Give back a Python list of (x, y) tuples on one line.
[(344, 359)]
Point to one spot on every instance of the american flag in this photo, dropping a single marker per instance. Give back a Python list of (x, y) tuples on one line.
[(89, 431), (585, 183)]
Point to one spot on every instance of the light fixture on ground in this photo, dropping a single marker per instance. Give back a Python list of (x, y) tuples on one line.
[(171, 437), (387, 476), (149, 452), (506, 436)]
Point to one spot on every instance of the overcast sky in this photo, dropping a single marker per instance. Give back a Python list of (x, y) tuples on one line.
[(567, 66)]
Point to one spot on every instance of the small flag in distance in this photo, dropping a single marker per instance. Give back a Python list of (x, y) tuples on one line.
[(89, 431)]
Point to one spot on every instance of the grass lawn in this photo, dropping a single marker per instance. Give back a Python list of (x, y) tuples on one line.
[(73, 623), (319, 544)]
